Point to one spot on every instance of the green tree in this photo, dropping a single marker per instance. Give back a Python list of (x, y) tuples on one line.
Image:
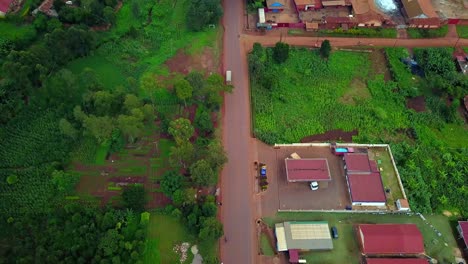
[(67, 129), (64, 182), (100, 127), (109, 14), (280, 52), (203, 120), (211, 229), (12, 179), (134, 197), (131, 102), (182, 155), (184, 197), (171, 182), (131, 126), (215, 155), (325, 49), (181, 129), (202, 173), (201, 13), (183, 90)]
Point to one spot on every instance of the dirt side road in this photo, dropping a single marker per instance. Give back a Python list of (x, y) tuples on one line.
[(270, 39), (238, 211)]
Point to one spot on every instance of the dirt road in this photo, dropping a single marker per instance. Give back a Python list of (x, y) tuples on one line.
[(238, 210), (270, 39)]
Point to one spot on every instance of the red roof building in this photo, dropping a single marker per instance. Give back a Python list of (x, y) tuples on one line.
[(463, 231), (396, 261), (357, 163), (366, 189), (300, 170), (4, 6), (390, 239)]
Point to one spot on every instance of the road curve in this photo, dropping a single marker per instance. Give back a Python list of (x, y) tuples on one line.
[(237, 211)]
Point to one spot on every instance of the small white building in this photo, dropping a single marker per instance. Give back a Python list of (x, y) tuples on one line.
[(261, 15)]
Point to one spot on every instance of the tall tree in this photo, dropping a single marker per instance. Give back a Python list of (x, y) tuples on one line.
[(182, 155), (100, 127), (171, 182), (181, 129), (131, 126), (325, 49), (281, 52), (183, 90), (203, 174)]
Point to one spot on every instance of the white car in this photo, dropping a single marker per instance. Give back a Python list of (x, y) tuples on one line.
[(314, 186)]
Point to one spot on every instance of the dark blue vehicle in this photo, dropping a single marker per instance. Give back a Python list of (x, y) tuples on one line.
[(334, 232)]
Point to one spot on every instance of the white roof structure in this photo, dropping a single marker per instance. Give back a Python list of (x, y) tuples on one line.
[(261, 15), (303, 236)]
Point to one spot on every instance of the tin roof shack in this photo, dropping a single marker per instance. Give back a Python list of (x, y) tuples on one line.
[(420, 14), (303, 236), (4, 7), (463, 231), (396, 261), (305, 5), (390, 240)]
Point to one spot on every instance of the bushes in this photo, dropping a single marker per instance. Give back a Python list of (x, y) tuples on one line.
[(428, 33), (401, 73), (361, 32)]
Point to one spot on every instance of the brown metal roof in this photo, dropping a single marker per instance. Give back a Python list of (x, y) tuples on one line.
[(357, 162), (307, 170), (419, 8), (304, 2), (366, 187)]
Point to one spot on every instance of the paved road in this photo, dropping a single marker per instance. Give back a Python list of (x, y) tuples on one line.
[(238, 210)]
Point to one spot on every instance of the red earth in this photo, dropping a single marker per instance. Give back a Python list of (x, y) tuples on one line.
[(331, 135), (417, 103)]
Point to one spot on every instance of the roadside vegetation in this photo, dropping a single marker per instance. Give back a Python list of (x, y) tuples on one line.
[(305, 95), (353, 32), (462, 31), (96, 129), (428, 33), (346, 249)]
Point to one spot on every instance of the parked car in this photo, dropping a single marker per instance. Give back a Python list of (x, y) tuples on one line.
[(314, 186), (334, 232)]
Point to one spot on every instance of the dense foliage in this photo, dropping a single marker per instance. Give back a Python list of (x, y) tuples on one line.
[(74, 234), (203, 13), (310, 94)]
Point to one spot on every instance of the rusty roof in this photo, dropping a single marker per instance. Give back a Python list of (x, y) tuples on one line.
[(307, 170), (304, 2), (419, 8)]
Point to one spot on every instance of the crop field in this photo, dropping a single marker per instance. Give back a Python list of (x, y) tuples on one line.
[(462, 31), (345, 248)]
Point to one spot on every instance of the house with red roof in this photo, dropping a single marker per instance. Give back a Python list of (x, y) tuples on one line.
[(365, 184), (396, 261), (4, 7), (463, 231), (307, 170), (390, 240)]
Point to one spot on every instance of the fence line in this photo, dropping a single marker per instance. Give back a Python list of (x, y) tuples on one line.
[(396, 171)]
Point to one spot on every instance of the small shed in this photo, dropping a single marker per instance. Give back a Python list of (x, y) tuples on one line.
[(402, 205), (312, 26)]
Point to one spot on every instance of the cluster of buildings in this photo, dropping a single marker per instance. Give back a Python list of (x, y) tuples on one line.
[(378, 243), (345, 14)]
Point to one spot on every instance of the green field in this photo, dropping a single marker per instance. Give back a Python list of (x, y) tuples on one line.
[(462, 31), (427, 33), (265, 245), (164, 232), (11, 31), (345, 248)]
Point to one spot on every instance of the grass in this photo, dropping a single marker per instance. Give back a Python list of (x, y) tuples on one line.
[(265, 245), (164, 232), (388, 174), (101, 153), (462, 31), (346, 248), (108, 74), (454, 135), (427, 33), (11, 31)]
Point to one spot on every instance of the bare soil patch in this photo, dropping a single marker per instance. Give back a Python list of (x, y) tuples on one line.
[(184, 63), (417, 103), (332, 135), (357, 90), (379, 64)]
